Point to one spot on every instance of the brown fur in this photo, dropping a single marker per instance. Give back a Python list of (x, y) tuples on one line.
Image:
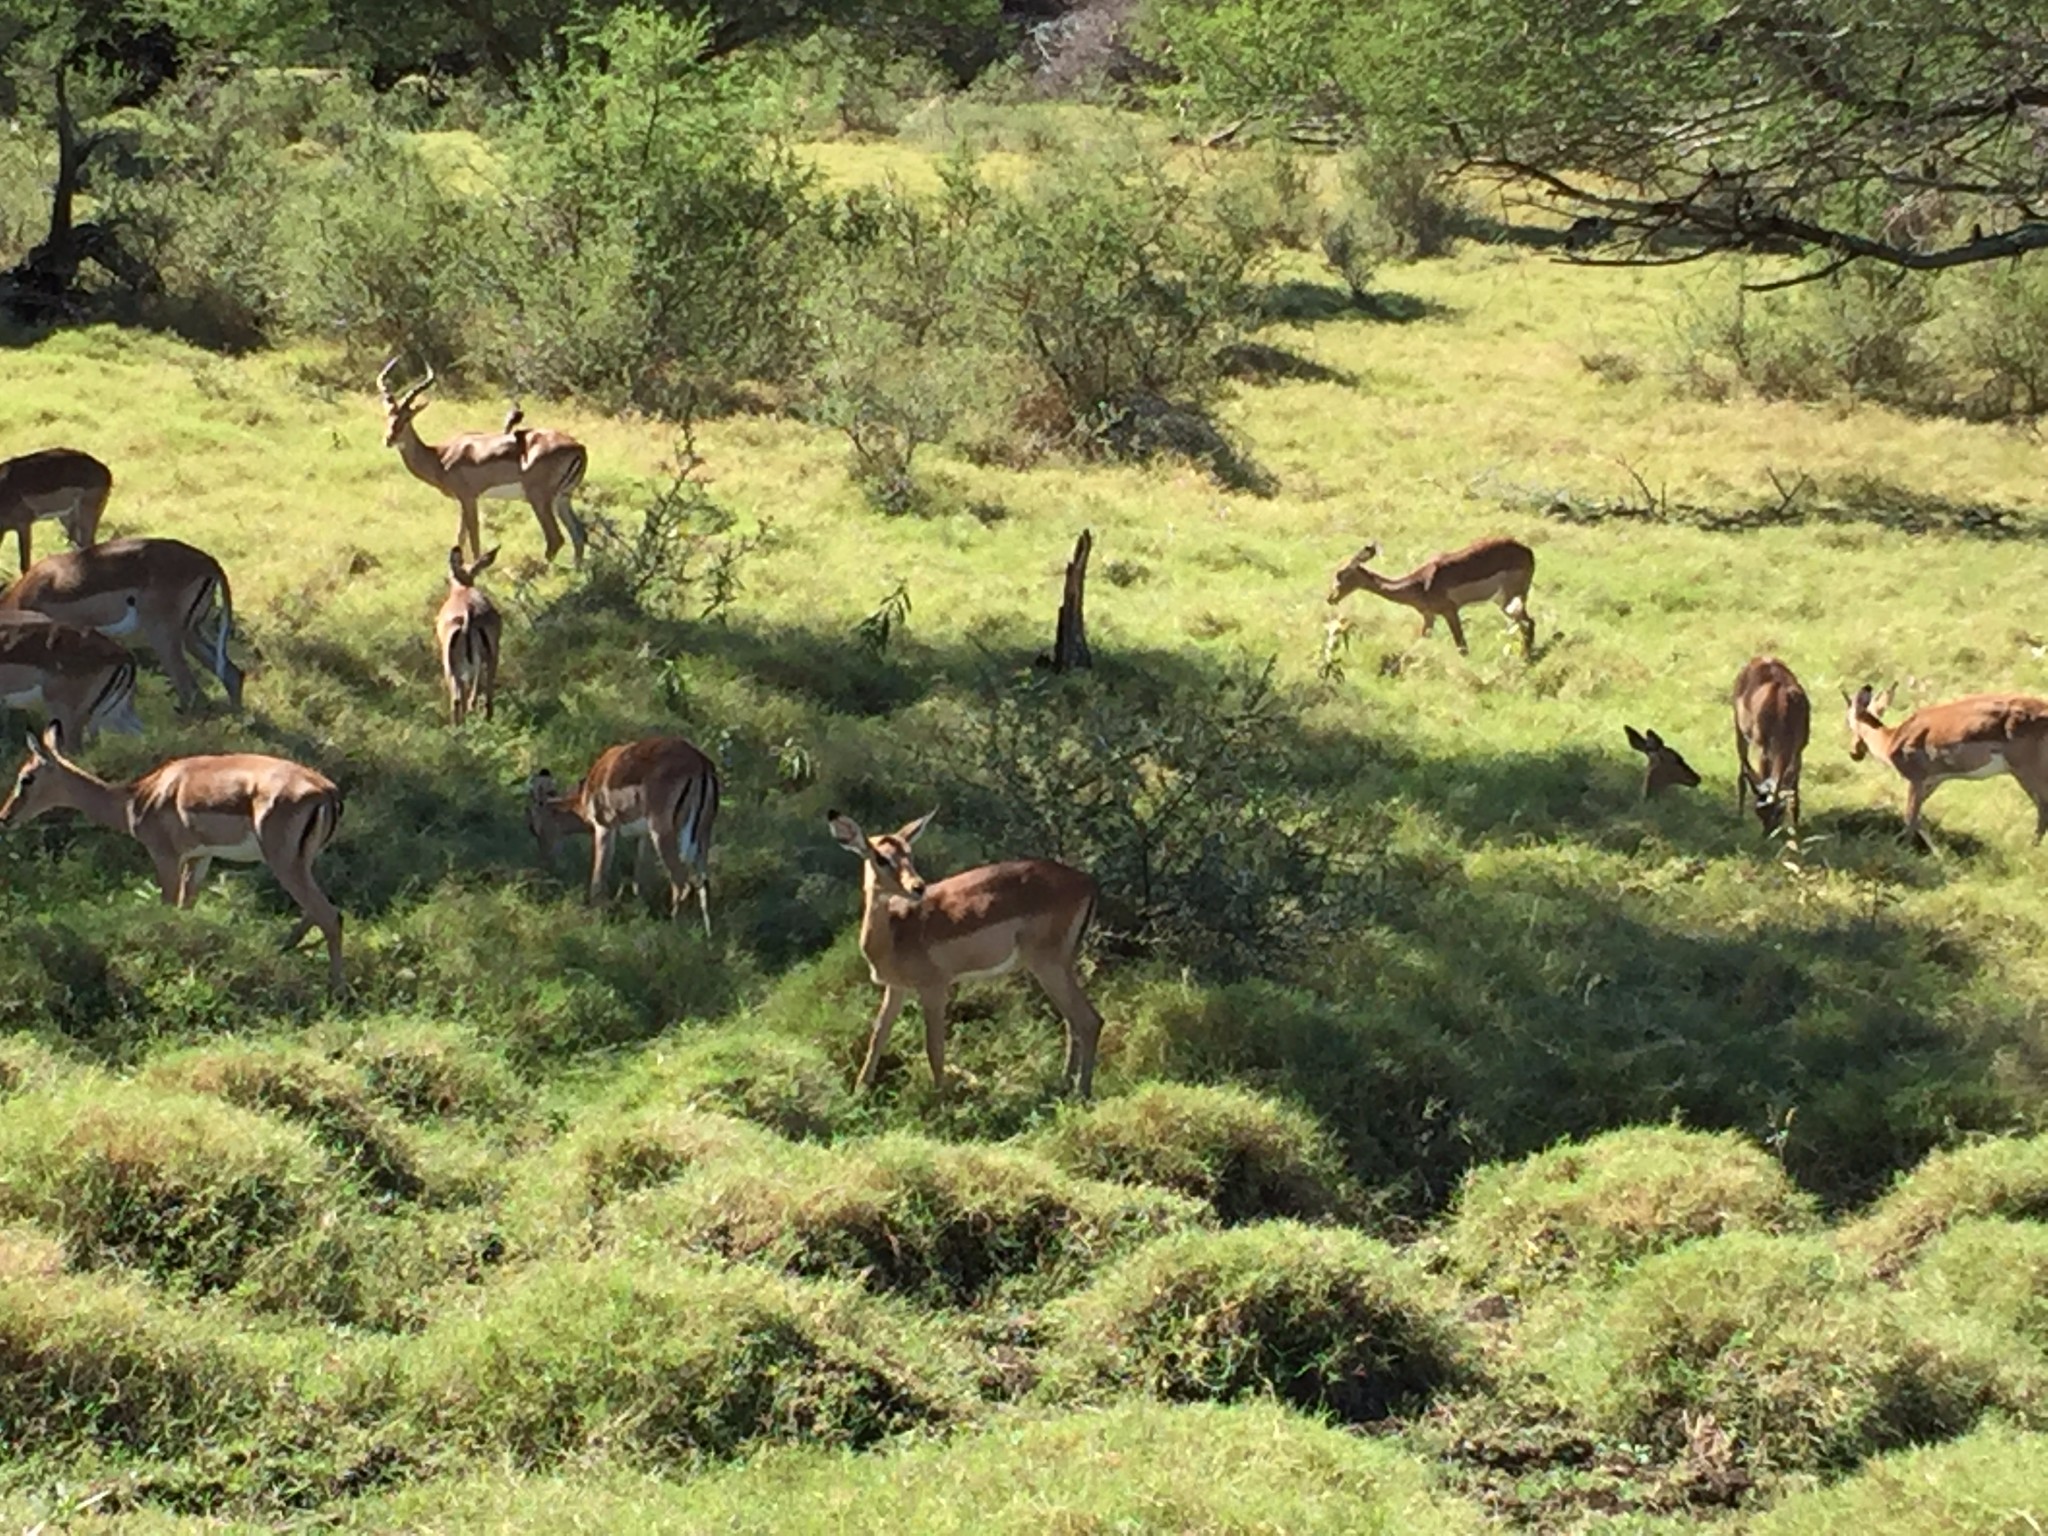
[(661, 782), (1492, 570), (1979, 736), (61, 483), (467, 630), (1773, 719), (85, 680), (1666, 769), (919, 939)]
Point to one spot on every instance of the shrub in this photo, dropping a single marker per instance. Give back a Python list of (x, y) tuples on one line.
[(2006, 1177), (1991, 1483), (175, 1183), (1801, 1362), (25, 1062), (1989, 1268), (1398, 206), (945, 1223), (1247, 1157), (1324, 1319), (324, 1096), (1860, 331), (657, 1145), (1585, 1207), (427, 1071), (87, 1363), (575, 1358), (792, 1087)]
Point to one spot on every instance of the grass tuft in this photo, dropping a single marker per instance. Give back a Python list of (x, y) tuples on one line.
[(2006, 1177)]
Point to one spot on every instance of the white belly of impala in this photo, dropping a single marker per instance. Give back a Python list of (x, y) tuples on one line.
[(247, 851), (26, 698), (1009, 964), (1990, 769), (510, 490)]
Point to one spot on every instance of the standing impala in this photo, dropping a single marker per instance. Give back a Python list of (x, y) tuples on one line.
[(1978, 737), (661, 786), (919, 939), (542, 465), (1772, 717), (192, 810), (1493, 570), (62, 483), (84, 680), (466, 632), (174, 596)]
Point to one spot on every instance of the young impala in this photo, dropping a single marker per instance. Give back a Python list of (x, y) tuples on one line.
[(192, 810), (1495, 570), (541, 465), (466, 632), (1978, 737), (661, 786), (919, 939), (1665, 768), (62, 483), (84, 681), (1772, 718), (172, 595)]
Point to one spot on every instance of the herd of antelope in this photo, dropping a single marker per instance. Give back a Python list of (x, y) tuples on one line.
[(63, 621), (1976, 737)]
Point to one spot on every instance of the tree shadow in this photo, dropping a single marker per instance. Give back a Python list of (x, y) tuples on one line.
[(1299, 301), (1866, 500)]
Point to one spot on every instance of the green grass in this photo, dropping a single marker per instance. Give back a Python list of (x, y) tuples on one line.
[(589, 1197)]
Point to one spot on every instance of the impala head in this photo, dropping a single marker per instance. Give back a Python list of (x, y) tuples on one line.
[(888, 861), (1352, 575), (465, 575), (1666, 769), (548, 816), (38, 786), (1861, 708), (399, 410)]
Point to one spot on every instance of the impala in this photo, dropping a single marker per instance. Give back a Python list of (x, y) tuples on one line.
[(1772, 718), (1665, 769), (81, 678), (62, 483), (1493, 570), (466, 632), (919, 939), (174, 596), (1978, 737), (661, 786), (542, 465), (192, 810)]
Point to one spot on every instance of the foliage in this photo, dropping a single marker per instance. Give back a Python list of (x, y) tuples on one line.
[(1247, 1156), (1582, 1208), (2007, 1177), (1989, 1483), (1327, 1320), (1991, 1268)]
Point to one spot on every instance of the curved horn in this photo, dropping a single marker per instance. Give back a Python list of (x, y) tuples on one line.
[(384, 379), (417, 390)]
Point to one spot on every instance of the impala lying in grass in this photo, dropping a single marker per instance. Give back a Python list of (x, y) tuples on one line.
[(192, 810), (921, 938), (661, 786), (1492, 570), (1978, 737)]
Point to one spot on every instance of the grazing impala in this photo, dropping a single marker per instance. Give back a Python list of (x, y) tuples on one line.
[(192, 810), (1495, 570), (1978, 737), (1772, 718), (662, 786), (543, 466), (466, 630), (174, 596), (63, 483), (1665, 769), (919, 939), (84, 680)]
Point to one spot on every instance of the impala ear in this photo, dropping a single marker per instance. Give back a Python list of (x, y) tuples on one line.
[(483, 560), (911, 831), (1635, 739), (1656, 742), (847, 833)]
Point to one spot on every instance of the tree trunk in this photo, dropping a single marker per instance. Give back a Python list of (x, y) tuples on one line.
[(1070, 639)]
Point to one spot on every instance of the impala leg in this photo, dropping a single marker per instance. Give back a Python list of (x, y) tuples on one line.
[(467, 532), (211, 652), (932, 1003), (1745, 776), (600, 862), (573, 521), (680, 875), (487, 681), (191, 876), (1457, 629), (318, 911), (170, 655), (1518, 613), (549, 529), (893, 999), (1917, 792), (1084, 1024), (21, 537)]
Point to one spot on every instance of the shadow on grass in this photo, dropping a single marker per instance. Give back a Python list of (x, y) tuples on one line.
[(1865, 500), (1301, 302)]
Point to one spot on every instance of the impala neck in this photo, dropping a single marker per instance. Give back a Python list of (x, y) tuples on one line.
[(1398, 588), (422, 460), (877, 921), (102, 804)]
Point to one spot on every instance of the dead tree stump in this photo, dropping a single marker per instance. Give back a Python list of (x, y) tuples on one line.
[(1070, 637)]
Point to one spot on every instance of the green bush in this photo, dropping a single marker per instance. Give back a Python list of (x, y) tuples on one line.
[(662, 1363), (178, 1184), (1990, 1483), (1862, 331), (1398, 206), (2006, 1177), (1248, 1157), (790, 1086), (656, 1145), (429, 1071), (1323, 1318), (948, 1224), (1581, 1209), (1802, 1362), (1989, 1268)]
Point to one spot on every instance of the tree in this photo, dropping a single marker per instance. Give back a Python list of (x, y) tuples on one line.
[(1910, 132)]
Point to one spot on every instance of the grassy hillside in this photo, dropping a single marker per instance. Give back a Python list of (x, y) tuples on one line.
[(563, 1207)]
